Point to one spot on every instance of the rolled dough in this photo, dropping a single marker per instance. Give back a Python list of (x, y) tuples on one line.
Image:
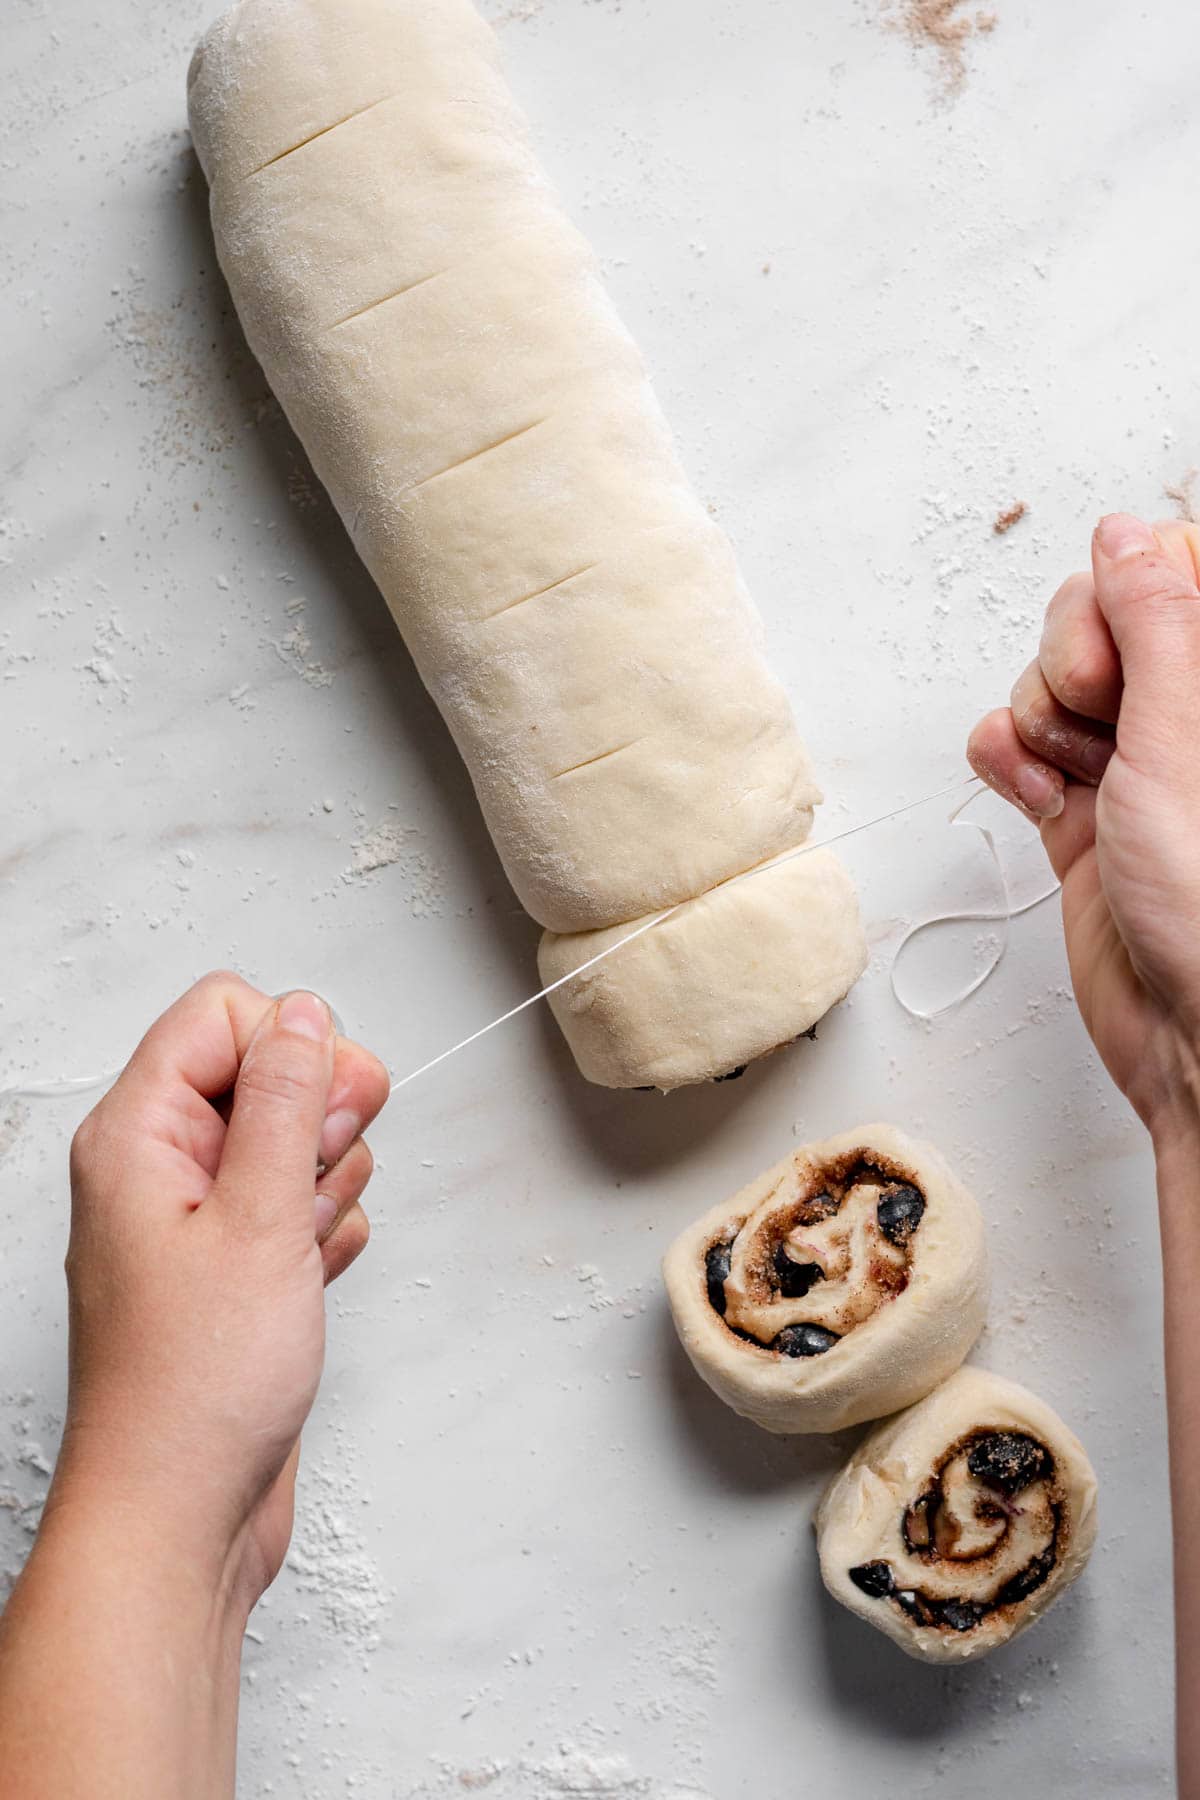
[(843, 1284), (439, 336), (956, 1525)]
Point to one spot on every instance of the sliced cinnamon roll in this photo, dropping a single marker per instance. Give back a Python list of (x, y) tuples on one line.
[(955, 1526), (843, 1284)]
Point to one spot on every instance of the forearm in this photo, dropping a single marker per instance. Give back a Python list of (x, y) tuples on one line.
[(1177, 1152), (119, 1663)]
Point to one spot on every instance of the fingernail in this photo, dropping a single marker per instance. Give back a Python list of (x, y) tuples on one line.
[(1096, 755), (1121, 535), (305, 1015), (337, 1134), (324, 1214), (1038, 789)]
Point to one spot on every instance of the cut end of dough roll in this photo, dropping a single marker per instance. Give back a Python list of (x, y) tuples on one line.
[(742, 970), (843, 1284), (956, 1525)]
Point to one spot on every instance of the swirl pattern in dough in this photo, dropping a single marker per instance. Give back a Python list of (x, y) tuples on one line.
[(956, 1525), (843, 1284)]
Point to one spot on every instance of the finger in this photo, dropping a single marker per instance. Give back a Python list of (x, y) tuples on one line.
[(269, 1158), (998, 756), (357, 1094), (1146, 588), (1081, 747), (1078, 657), (345, 1243), (191, 1056), (1073, 832), (340, 1186), (200, 1040)]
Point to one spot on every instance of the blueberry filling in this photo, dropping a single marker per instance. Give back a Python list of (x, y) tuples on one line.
[(918, 1522), (774, 1273), (821, 1206), (732, 1074), (923, 1609), (962, 1615), (1008, 1460), (900, 1212), (716, 1273), (794, 1278), (1028, 1579), (804, 1340), (875, 1579)]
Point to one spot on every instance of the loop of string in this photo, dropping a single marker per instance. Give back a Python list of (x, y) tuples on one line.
[(66, 1086), (1004, 914)]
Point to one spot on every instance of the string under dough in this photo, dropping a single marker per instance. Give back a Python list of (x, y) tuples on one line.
[(66, 1086)]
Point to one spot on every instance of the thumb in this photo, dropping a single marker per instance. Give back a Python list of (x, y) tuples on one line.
[(268, 1167), (1146, 586)]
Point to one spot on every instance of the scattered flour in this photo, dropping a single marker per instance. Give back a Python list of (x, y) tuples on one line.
[(200, 387), (328, 1557), (392, 845), (13, 1119), (295, 646), (25, 1471), (569, 1774), (101, 665), (517, 14)]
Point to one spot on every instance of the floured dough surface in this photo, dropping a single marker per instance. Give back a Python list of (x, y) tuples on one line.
[(438, 334), (955, 1525), (843, 1284)]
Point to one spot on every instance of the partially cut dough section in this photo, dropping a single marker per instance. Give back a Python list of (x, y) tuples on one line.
[(729, 977), (956, 1525), (439, 337)]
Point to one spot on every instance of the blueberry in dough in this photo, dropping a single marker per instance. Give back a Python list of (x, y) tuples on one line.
[(962, 1615), (804, 1340), (1029, 1579), (716, 1271), (1008, 1460), (874, 1578), (899, 1212), (794, 1278)]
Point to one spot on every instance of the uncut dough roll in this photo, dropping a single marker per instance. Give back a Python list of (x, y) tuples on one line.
[(843, 1284), (438, 335), (955, 1526)]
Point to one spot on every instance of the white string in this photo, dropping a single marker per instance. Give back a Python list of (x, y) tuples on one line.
[(66, 1086), (650, 924), (1002, 915), (59, 1088)]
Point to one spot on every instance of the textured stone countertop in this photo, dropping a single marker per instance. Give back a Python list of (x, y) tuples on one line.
[(883, 306)]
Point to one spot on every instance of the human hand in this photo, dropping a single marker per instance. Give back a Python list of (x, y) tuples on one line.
[(1100, 746), (196, 1268)]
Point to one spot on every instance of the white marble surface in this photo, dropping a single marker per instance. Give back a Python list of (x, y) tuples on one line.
[(878, 316)]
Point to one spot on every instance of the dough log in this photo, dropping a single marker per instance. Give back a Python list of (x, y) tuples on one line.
[(843, 1284), (438, 335), (956, 1525)]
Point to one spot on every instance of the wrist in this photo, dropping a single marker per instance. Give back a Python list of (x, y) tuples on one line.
[(115, 1610), (1169, 1097), (154, 1537)]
